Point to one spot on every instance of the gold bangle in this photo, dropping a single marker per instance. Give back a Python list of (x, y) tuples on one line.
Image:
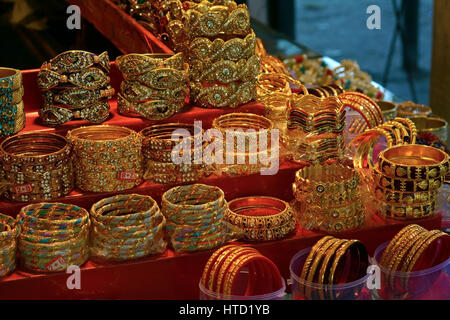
[(407, 212), (410, 109), (73, 98), (391, 247), (104, 144), (235, 49), (10, 80), (416, 162), (75, 61), (11, 97), (436, 126), (225, 71), (400, 198), (388, 108), (89, 78), (219, 96)]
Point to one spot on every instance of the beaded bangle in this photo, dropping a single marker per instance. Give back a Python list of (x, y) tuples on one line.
[(103, 144), (410, 109), (37, 166), (10, 80), (262, 218)]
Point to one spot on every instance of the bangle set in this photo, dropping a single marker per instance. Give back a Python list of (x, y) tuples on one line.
[(363, 105), (221, 53), (126, 227), (155, 85), (75, 86), (54, 236), (37, 166), (195, 217), (247, 132), (332, 261), (396, 132), (329, 198), (224, 268), (410, 109), (413, 249), (407, 179), (436, 126), (106, 158), (12, 115), (261, 218), (158, 149), (9, 232)]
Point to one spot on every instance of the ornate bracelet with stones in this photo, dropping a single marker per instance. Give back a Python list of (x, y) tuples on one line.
[(75, 86), (115, 157), (37, 166)]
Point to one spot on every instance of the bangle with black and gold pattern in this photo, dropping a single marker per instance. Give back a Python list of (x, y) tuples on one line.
[(408, 198), (404, 184), (416, 162)]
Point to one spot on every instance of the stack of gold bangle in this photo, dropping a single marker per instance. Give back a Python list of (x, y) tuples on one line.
[(12, 115), (75, 86), (399, 131), (409, 109), (365, 106), (155, 85), (407, 179), (316, 126), (222, 54), (126, 227), (326, 263), (252, 146), (413, 249), (224, 268), (161, 142), (106, 158), (329, 197), (9, 232), (261, 218), (435, 126), (195, 217), (53, 236), (269, 64), (37, 166)]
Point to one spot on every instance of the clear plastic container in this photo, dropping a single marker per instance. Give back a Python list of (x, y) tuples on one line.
[(206, 294), (428, 284), (303, 290)]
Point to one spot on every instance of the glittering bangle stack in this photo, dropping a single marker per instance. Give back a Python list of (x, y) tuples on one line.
[(316, 127), (222, 57), (126, 227), (75, 86), (261, 218), (9, 232), (12, 116), (106, 158), (54, 236), (159, 150), (248, 143), (328, 198), (37, 166), (412, 249), (399, 131), (224, 269), (195, 217), (326, 264), (407, 179), (155, 85)]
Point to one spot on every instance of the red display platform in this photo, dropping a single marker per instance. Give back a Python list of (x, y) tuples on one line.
[(171, 275)]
